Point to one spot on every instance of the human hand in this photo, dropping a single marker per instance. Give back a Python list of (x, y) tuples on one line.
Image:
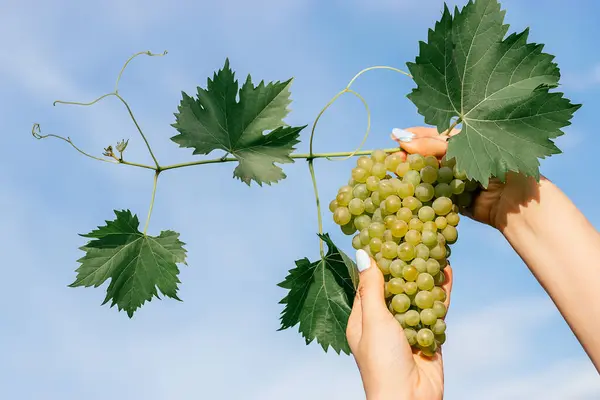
[(389, 367)]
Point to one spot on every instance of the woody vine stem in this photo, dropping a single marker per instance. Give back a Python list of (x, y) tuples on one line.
[(158, 169)]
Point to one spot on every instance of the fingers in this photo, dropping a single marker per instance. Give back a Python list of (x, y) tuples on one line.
[(447, 285), (370, 291), (354, 328), (425, 141)]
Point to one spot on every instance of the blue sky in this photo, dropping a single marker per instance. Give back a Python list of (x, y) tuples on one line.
[(506, 340)]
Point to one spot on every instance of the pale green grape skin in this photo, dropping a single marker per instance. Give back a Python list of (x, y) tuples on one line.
[(386, 292), (385, 189), (377, 217), (438, 294), (442, 206), (439, 327), (426, 213), (457, 186), (411, 334), (405, 189), (400, 319), (384, 265), (443, 190), (429, 239), (438, 307), (396, 183), (367, 249), (342, 216), (333, 205), (410, 273), (441, 222), (412, 318), (356, 242), (412, 176), (421, 250), (448, 163), (420, 264), (347, 188), (361, 191), (376, 198), (416, 161), (445, 175), (387, 236), (376, 229), (429, 351), (432, 162), (390, 307), (396, 268), (378, 156), (428, 174), (343, 198), (441, 239), (441, 339), (372, 183), (392, 161), (398, 228), (425, 337), (388, 220), (369, 206), (360, 175), (425, 281), (412, 203), (453, 219), (365, 163), (410, 288), (433, 266), (395, 285), (383, 208), (429, 226), (428, 317), (462, 175), (450, 234), (402, 169), (378, 170), (404, 214), (400, 303), (393, 204), (440, 278), (413, 237), (349, 228), (375, 244), (389, 250), (362, 221), (365, 239), (424, 299), (415, 224), (356, 206), (406, 251), (438, 252)]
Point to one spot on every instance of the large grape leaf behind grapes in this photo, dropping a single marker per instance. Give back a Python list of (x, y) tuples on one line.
[(136, 264), (217, 120), (498, 87), (320, 298)]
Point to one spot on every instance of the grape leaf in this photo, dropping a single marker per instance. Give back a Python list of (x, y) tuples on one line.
[(135, 263), (217, 120), (320, 298), (499, 88)]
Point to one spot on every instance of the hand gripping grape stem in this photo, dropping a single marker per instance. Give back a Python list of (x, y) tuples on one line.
[(506, 125)]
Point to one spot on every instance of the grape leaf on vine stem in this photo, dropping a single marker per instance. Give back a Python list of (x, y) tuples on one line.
[(135, 263), (320, 297), (217, 120), (498, 87)]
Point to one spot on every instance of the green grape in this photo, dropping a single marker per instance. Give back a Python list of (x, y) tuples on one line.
[(412, 298), (429, 226), (428, 317), (439, 327), (349, 228), (425, 337), (356, 206), (385, 189), (372, 183), (425, 281), (383, 208), (412, 176), (420, 264), (400, 319), (445, 175), (375, 244), (471, 186), (406, 251), (412, 203), (453, 219), (413, 237), (439, 308), (441, 339), (428, 174), (462, 175), (421, 250), (440, 278), (432, 162), (410, 288), (386, 292), (442, 205), (395, 183), (343, 198), (412, 318), (411, 334), (402, 169), (347, 188), (457, 186), (438, 294), (384, 265), (388, 220), (426, 213), (376, 199), (395, 285), (415, 224), (400, 303), (405, 189), (448, 251), (390, 307), (369, 206), (333, 205), (361, 191), (342, 216), (365, 239), (365, 163), (433, 267), (378, 170), (416, 161), (438, 252), (367, 249), (404, 214), (389, 250), (443, 190), (429, 351), (377, 217), (410, 273), (378, 156), (398, 228), (441, 239), (376, 229), (378, 256), (392, 161), (441, 222), (450, 234), (429, 239), (388, 237), (393, 204), (356, 242), (464, 199), (448, 163), (424, 299), (396, 268), (362, 221), (360, 175)]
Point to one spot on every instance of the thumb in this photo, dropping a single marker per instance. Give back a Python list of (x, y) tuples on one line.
[(370, 290)]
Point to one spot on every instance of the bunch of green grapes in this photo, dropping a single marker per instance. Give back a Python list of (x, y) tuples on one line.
[(403, 211)]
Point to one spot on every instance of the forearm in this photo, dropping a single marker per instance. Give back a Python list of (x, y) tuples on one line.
[(562, 250)]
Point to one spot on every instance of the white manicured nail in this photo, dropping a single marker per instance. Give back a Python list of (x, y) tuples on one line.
[(363, 261), (402, 135)]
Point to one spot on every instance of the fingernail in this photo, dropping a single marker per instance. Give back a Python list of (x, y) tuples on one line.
[(363, 261), (402, 135)]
